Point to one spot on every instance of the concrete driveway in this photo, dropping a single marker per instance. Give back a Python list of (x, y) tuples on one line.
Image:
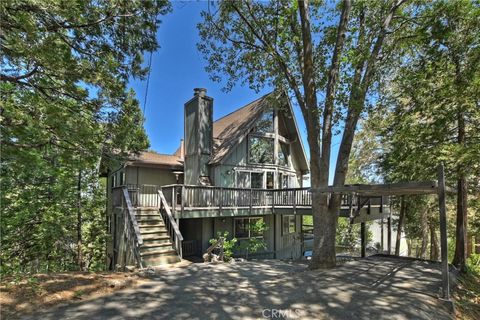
[(370, 288)]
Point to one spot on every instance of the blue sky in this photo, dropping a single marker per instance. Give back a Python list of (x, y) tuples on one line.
[(177, 68)]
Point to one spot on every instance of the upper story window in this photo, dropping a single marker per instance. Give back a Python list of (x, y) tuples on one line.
[(283, 154), (265, 123), (260, 150)]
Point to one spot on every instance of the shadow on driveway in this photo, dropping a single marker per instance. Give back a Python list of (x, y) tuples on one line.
[(370, 288)]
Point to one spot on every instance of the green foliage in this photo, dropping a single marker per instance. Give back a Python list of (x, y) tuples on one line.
[(473, 264), (254, 244), (66, 116), (228, 244)]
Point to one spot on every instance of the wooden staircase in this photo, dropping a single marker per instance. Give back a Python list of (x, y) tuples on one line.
[(157, 247)]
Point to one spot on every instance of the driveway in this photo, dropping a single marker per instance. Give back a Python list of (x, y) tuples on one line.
[(369, 288)]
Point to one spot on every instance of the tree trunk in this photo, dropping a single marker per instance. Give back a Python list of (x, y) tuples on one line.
[(461, 228), (324, 220), (79, 221), (400, 226), (434, 249)]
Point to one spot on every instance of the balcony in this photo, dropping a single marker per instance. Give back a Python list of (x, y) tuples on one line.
[(188, 201)]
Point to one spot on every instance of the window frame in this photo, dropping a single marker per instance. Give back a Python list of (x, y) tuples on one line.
[(249, 148), (290, 217), (249, 231)]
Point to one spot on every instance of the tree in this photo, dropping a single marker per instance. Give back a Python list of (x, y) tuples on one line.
[(66, 115), (435, 106), (328, 66)]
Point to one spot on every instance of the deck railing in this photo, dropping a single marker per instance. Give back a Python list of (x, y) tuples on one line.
[(187, 197)]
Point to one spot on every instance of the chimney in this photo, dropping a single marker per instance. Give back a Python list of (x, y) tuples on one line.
[(198, 136), (199, 92)]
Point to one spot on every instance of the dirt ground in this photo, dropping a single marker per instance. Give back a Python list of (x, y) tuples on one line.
[(19, 297)]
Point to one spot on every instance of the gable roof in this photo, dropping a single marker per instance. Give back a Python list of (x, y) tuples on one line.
[(229, 130)]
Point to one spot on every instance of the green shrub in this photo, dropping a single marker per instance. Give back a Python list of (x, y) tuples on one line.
[(228, 245), (473, 264)]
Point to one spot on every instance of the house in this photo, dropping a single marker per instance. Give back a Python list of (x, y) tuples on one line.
[(245, 167)]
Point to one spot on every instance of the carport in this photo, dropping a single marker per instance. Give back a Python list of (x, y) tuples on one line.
[(399, 189)]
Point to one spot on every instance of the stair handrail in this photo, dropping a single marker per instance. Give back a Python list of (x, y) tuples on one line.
[(177, 235), (133, 224)]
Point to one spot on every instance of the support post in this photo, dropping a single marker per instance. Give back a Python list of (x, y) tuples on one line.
[(389, 233), (443, 232), (363, 237), (381, 235)]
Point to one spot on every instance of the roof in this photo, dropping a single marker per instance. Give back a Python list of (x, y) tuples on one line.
[(149, 158), (229, 130)]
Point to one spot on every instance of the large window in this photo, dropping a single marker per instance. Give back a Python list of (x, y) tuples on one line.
[(265, 123), (288, 224), (247, 228), (260, 150), (283, 154)]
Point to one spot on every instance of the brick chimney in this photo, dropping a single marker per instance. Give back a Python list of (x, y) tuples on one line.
[(198, 128)]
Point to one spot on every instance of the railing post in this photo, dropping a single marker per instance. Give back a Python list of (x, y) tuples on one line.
[(251, 199), (220, 205), (183, 198), (174, 200), (295, 201)]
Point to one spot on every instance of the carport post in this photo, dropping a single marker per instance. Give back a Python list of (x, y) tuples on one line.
[(363, 237), (389, 233), (443, 232)]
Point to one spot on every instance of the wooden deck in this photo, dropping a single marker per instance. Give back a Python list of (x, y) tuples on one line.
[(205, 201)]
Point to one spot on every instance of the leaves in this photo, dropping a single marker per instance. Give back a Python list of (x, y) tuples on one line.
[(65, 68)]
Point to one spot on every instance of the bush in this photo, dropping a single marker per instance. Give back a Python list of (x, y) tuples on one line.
[(473, 264), (228, 245)]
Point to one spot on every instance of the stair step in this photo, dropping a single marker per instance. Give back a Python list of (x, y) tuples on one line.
[(153, 231), (151, 222), (152, 228), (159, 260), (155, 237), (155, 216), (155, 245), (158, 252)]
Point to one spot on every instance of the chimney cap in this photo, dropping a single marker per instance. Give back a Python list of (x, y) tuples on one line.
[(199, 92)]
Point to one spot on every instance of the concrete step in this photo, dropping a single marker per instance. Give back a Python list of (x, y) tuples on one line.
[(158, 252), (162, 259)]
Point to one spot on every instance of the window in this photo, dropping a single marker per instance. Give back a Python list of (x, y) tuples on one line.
[(283, 154), (288, 224), (265, 123), (257, 180), (270, 182), (261, 150), (243, 179), (286, 181), (122, 178), (247, 228)]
